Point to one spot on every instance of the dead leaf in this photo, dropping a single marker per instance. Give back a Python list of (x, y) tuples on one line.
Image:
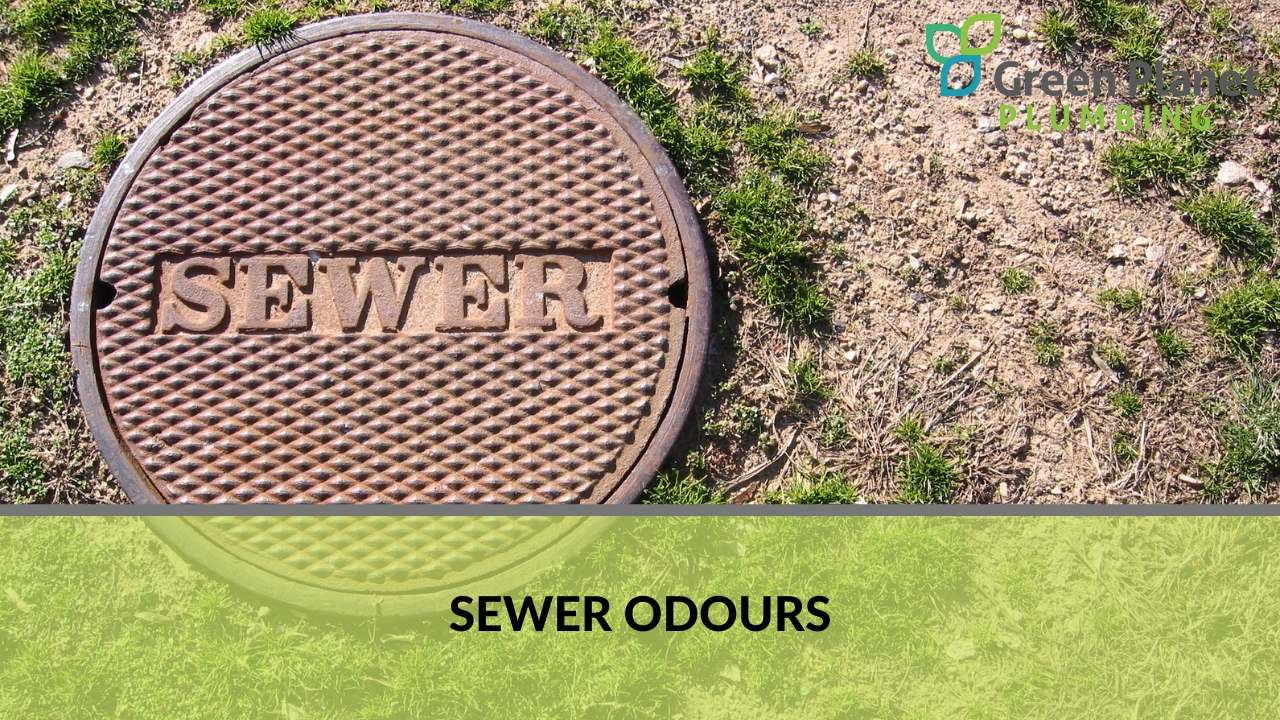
[(812, 127)]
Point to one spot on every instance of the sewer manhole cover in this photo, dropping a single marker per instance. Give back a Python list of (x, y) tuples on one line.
[(401, 258), (376, 566)]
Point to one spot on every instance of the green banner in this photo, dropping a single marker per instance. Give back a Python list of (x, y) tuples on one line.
[(295, 618)]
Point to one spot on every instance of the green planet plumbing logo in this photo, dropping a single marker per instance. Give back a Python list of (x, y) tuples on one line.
[(1012, 80), (968, 53)]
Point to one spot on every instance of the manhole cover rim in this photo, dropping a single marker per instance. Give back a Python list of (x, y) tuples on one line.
[(693, 354)]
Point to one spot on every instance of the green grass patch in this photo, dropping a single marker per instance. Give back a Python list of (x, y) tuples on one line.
[(1251, 438), (1241, 316), (867, 64), (675, 487), (109, 150), (476, 6), (62, 41), (714, 77), (1126, 403), (1016, 282), (1059, 31), (561, 26), (1172, 347), (23, 478), (765, 228), (1113, 355), (1159, 161), (34, 83), (806, 377), (269, 25), (811, 29), (222, 10), (776, 144), (1229, 220), (925, 475), (835, 430), (1046, 343), (1123, 300), (819, 486), (1125, 446)]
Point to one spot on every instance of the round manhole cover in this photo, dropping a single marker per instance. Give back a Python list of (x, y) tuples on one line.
[(376, 566), (400, 258)]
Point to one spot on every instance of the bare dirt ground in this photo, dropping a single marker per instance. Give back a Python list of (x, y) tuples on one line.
[(924, 207)]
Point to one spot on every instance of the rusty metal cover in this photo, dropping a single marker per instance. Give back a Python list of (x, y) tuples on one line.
[(376, 566), (402, 258)]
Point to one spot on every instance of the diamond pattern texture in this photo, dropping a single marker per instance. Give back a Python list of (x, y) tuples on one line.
[(381, 554), (398, 143)]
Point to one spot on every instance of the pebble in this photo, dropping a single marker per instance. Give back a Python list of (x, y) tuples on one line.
[(861, 87), (1118, 253), (88, 93), (904, 38), (1262, 131), (895, 195), (1019, 34), (73, 159), (992, 308), (890, 54), (1232, 173), (961, 203), (768, 56), (919, 298), (1024, 170), (1155, 253), (9, 191), (994, 138), (1056, 139)]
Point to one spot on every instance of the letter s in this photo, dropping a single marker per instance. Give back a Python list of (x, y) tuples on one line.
[(814, 602), (468, 619)]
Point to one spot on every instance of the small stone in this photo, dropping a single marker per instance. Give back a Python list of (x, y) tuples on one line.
[(1055, 138), (961, 203), (1262, 131), (1023, 170), (991, 308), (1141, 241), (8, 192), (851, 355), (831, 49), (73, 159), (928, 60), (861, 87), (1155, 253), (769, 79), (994, 138), (1232, 173), (1019, 34), (1118, 253), (890, 54), (904, 38), (969, 218), (768, 56), (895, 195), (919, 298), (88, 93)]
